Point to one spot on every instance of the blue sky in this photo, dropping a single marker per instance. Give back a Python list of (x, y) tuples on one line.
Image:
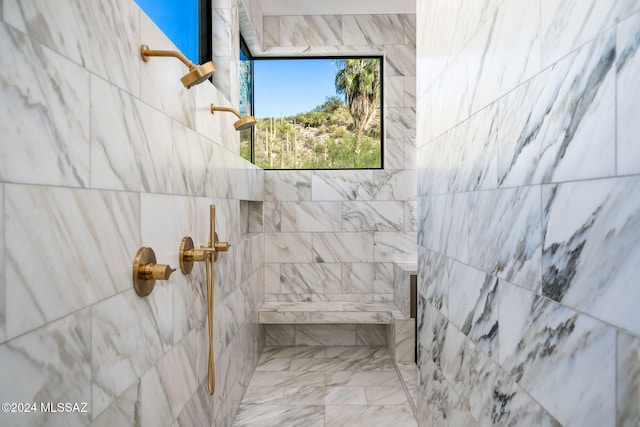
[(178, 20), (288, 87)]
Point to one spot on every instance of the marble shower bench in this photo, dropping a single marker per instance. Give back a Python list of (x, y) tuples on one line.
[(348, 323)]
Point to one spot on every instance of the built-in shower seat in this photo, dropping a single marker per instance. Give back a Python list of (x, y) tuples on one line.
[(328, 312)]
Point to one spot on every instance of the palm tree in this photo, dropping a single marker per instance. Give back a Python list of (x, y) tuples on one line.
[(359, 80)]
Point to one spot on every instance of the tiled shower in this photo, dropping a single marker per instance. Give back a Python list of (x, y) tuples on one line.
[(518, 180)]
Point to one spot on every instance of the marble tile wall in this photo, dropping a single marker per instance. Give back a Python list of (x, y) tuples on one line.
[(333, 235), (528, 167), (101, 154)]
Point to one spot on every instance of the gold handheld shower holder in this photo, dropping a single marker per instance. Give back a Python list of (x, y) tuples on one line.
[(208, 254), (197, 73), (245, 122), (146, 271)]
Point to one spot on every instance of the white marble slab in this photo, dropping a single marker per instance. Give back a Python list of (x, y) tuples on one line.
[(311, 216), (566, 25), (3, 308), (42, 87), (131, 147), (628, 121), (310, 30), (628, 380), (553, 351), (343, 247), (590, 248), (50, 364), (94, 35), (285, 186), (505, 238), (372, 29), (342, 185), (122, 412), (288, 247), (390, 246), (373, 216), (66, 279), (310, 278)]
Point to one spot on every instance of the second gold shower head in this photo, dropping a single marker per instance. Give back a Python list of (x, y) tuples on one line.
[(245, 122)]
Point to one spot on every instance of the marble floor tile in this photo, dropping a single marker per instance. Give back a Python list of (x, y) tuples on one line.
[(327, 386)]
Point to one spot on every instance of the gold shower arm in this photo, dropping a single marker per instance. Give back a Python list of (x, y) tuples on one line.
[(146, 53), (230, 110)]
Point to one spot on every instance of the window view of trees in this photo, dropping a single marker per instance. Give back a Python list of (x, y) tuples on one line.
[(343, 132)]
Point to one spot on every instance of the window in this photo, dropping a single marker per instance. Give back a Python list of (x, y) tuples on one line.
[(316, 113), (246, 99), (187, 23)]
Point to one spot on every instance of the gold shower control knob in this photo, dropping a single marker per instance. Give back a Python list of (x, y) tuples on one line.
[(221, 246), (146, 271)]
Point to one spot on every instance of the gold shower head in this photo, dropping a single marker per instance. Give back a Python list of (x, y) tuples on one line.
[(245, 122), (197, 73)]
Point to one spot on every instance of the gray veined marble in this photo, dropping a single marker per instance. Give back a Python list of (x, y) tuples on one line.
[(473, 305), (310, 216), (40, 86), (310, 30), (50, 364), (505, 239), (373, 216), (562, 358), (310, 278), (372, 30), (628, 380), (591, 249), (627, 108)]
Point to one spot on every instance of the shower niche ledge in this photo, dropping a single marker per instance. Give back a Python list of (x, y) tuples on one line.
[(328, 312)]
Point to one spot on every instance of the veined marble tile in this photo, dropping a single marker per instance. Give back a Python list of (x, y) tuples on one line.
[(344, 416), (122, 412), (400, 122), (272, 217), (372, 30), (50, 364), (100, 36), (509, 48), (131, 147), (192, 158), (292, 352), (410, 154), (567, 25), (342, 185), (394, 185), (393, 93), (268, 415), (343, 247), (310, 278), (66, 280), (394, 153), (271, 31), (43, 87), (287, 379), (363, 379), (311, 335), (373, 216), (389, 246), (285, 186), (370, 335), (288, 247), (628, 380), (310, 30), (404, 340), (121, 325), (400, 61), (263, 396), (360, 352), (2, 269), (433, 279), (452, 223), (277, 335), (446, 28), (505, 236), (311, 216), (197, 411), (155, 407), (366, 278), (177, 377), (627, 107), (591, 253), (473, 305), (160, 84), (275, 365), (385, 396), (553, 351), (325, 396)]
